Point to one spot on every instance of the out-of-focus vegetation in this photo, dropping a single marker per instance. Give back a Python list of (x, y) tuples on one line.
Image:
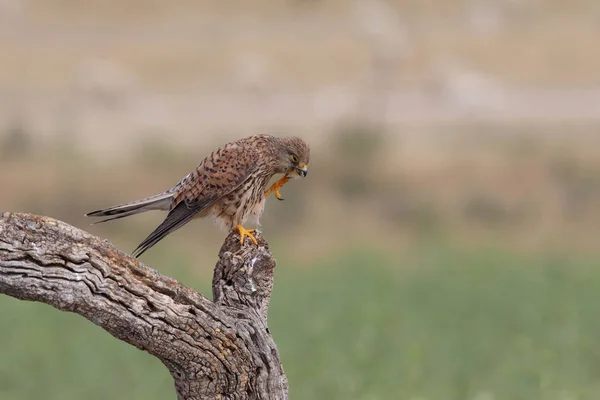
[(435, 324), (445, 242), (529, 187)]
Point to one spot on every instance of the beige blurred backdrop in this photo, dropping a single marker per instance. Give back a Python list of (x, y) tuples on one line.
[(469, 120), (445, 242)]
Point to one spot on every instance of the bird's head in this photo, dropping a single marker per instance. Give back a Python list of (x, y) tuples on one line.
[(293, 157)]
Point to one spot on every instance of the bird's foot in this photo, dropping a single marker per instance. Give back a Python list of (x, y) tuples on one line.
[(276, 186), (246, 232)]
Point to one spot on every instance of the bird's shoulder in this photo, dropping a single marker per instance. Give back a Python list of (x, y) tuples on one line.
[(220, 172)]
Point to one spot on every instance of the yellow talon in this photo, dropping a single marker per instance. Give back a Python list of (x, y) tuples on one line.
[(246, 232), (276, 186)]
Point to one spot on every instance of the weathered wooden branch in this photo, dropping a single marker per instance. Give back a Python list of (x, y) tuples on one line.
[(214, 350)]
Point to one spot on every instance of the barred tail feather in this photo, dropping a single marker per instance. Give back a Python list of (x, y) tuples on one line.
[(158, 202)]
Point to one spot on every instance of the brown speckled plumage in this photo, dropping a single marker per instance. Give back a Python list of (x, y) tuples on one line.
[(230, 184)]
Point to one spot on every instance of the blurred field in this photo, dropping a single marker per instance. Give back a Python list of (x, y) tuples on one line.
[(445, 242), (528, 187), (435, 324), (107, 74)]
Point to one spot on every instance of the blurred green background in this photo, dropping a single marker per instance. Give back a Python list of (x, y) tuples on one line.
[(445, 243)]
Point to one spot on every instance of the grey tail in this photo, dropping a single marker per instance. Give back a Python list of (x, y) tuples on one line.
[(158, 202)]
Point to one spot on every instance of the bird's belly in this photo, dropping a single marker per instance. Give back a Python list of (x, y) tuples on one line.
[(256, 211), (203, 213), (240, 207)]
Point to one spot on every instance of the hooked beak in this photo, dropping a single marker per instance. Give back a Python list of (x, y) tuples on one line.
[(302, 170)]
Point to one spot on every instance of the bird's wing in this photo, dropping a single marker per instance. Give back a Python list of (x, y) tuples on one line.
[(216, 176)]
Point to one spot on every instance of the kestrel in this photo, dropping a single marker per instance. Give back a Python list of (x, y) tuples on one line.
[(231, 185)]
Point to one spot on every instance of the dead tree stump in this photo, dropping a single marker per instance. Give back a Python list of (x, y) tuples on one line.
[(213, 350)]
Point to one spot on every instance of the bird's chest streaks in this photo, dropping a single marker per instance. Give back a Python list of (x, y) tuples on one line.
[(247, 201)]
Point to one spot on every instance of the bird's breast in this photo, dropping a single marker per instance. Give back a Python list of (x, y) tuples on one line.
[(246, 202)]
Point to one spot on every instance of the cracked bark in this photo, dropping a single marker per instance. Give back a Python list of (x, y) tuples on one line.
[(219, 349)]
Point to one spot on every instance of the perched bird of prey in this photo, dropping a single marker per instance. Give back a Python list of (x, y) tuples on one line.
[(231, 185)]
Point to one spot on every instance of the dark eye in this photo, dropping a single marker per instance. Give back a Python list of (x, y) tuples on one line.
[(294, 158)]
